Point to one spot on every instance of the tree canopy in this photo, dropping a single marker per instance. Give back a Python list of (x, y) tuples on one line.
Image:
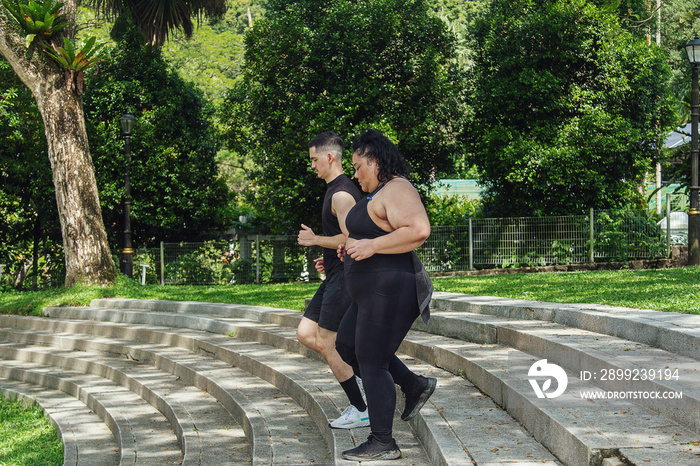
[(345, 66), (569, 108), (177, 193)]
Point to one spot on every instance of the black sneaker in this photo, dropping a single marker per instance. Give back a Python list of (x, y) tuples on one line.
[(373, 450), (417, 398)]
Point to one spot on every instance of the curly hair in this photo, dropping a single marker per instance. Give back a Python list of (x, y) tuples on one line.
[(372, 144)]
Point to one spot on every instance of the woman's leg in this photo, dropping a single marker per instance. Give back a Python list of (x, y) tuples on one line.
[(383, 319)]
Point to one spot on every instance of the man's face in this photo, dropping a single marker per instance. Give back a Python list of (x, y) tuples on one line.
[(319, 162)]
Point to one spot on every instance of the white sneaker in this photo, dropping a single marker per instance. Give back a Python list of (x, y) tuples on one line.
[(351, 419)]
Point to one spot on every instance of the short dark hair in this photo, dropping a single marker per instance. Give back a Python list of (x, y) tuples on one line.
[(328, 141), (373, 144)]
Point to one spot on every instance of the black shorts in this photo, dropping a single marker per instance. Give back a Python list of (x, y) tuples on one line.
[(330, 302)]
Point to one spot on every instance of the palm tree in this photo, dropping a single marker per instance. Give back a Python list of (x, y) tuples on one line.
[(159, 18)]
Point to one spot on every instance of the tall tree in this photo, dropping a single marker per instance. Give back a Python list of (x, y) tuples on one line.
[(87, 253), (346, 66), (569, 107)]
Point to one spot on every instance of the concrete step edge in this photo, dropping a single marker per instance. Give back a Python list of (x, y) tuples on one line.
[(313, 400), (674, 332), (179, 419)]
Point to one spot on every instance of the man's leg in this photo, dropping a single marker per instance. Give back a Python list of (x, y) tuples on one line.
[(325, 342), (307, 333)]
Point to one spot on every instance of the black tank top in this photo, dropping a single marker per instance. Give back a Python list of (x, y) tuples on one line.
[(361, 226), (358, 222), (330, 224)]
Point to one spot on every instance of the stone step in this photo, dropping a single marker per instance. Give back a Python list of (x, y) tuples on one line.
[(432, 434), (611, 364), (443, 440), (601, 357), (577, 430), (671, 331), (86, 439), (287, 439), (143, 434), (308, 382), (584, 351), (207, 432)]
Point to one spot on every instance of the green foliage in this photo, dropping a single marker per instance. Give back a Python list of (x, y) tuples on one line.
[(211, 264), (212, 57), (40, 21), (346, 66), (28, 215), (449, 210), (177, 193), (78, 60), (569, 108), (158, 20), (624, 235)]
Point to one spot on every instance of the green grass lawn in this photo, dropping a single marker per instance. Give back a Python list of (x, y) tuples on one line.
[(283, 295), (663, 289), (675, 290), (27, 437)]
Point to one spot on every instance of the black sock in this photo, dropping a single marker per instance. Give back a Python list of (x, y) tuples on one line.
[(352, 390)]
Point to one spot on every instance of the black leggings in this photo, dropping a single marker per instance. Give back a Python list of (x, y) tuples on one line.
[(383, 310)]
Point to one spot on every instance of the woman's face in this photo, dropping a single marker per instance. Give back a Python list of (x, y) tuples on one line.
[(366, 172)]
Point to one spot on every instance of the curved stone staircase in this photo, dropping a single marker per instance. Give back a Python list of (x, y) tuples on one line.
[(135, 382)]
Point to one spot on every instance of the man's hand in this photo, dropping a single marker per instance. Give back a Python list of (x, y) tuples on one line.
[(341, 252), (306, 237), (318, 264)]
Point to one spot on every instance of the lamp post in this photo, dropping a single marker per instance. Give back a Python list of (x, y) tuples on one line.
[(127, 265), (693, 50)]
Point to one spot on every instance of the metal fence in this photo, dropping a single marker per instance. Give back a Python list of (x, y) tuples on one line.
[(483, 243), (247, 259)]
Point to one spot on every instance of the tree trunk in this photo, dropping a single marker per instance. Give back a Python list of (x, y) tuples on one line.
[(87, 252)]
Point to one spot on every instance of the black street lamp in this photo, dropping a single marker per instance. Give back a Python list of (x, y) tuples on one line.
[(127, 266), (693, 50)]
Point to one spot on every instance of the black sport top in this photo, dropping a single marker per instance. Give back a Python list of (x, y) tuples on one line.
[(359, 223), (361, 226), (330, 224)]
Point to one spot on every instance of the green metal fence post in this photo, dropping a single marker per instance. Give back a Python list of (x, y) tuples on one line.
[(592, 257), (257, 259), (162, 264), (471, 246), (668, 225)]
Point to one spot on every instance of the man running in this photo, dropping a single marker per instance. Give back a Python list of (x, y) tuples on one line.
[(319, 325)]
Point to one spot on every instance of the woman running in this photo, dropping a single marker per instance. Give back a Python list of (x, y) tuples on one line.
[(382, 273)]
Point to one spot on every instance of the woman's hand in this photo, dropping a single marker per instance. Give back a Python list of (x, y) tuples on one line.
[(361, 249)]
